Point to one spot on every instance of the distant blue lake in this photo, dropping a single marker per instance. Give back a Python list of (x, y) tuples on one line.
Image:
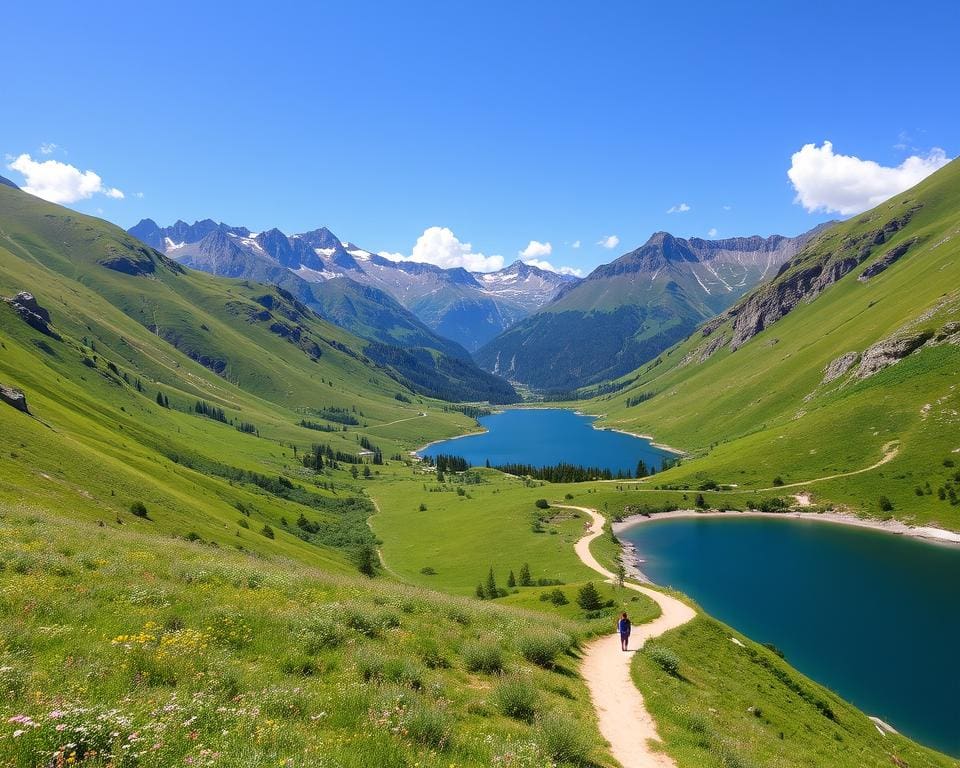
[(873, 616), (549, 436)]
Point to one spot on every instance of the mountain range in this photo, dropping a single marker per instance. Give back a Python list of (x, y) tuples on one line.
[(467, 308), (628, 311), (319, 271)]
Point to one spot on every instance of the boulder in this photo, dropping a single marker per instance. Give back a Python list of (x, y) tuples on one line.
[(14, 397), (839, 367), (26, 306)]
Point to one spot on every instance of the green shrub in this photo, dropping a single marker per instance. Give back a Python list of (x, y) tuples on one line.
[(298, 665), (557, 597), (515, 698), (542, 504), (267, 531), (479, 656), (564, 739), (543, 649), (588, 597), (138, 509), (427, 724), (664, 658), (885, 504), (321, 634)]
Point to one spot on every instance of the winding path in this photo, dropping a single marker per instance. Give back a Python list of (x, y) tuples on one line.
[(890, 451), (621, 714)]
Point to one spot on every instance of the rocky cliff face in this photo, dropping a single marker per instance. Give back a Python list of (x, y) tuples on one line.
[(803, 279)]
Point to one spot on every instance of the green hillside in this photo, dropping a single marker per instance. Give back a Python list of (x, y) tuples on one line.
[(851, 352), (239, 367), (178, 585)]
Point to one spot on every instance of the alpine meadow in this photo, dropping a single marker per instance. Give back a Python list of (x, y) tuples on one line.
[(618, 426)]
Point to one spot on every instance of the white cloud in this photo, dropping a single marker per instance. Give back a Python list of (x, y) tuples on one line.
[(728, 207), (138, 195), (847, 185), (439, 246), (609, 241), (678, 208), (59, 182), (712, 232), (550, 268), (535, 249), (48, 148), (575, 244)]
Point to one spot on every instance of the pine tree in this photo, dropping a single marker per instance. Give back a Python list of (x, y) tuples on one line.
[(525, 580), (491, 587), (511, 580), (160, 399), (366, 471), (480, 593), (641, 468), (588, 597)]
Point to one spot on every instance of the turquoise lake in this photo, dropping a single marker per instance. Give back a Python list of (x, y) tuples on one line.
[(873, 616), (549, 436)]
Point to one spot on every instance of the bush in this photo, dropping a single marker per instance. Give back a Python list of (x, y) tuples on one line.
[(885, 504), (300, 666), (427, 724), (321, 634), (778, 480), (138, 509), (564, 739), (543, 650), (515, 698), (267, 531), (428, 570), (557, 597), (542, 504), (482, 657), (588, 597), (664, 658)]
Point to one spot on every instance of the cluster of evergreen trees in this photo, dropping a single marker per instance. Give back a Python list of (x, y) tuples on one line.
[(574, 473), (377, 453), (637, 399), (322, 455), (445, 463), (488, 589), (210, 411), (319, 427)]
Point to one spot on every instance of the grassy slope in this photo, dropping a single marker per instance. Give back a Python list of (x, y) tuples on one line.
[(743, 706), (96, 444), (73, 553), (746, 417), (169, 653)]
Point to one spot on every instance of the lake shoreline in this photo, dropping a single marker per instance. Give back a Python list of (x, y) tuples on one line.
[(648, 438), (632, 562)]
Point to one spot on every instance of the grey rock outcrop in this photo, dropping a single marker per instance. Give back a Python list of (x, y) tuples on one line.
[(886, 260), (14, 397), (26, 306), (840, 366), (889, 351)]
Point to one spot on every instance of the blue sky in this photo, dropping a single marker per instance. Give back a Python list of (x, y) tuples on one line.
[(503, 122)]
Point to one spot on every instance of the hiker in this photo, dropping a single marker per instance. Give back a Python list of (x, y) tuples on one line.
[(623, 627)]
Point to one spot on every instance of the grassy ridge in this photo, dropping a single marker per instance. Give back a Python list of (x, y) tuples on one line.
[(762, 411)]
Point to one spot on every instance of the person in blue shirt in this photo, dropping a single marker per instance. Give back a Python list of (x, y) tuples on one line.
[(623, 627)]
